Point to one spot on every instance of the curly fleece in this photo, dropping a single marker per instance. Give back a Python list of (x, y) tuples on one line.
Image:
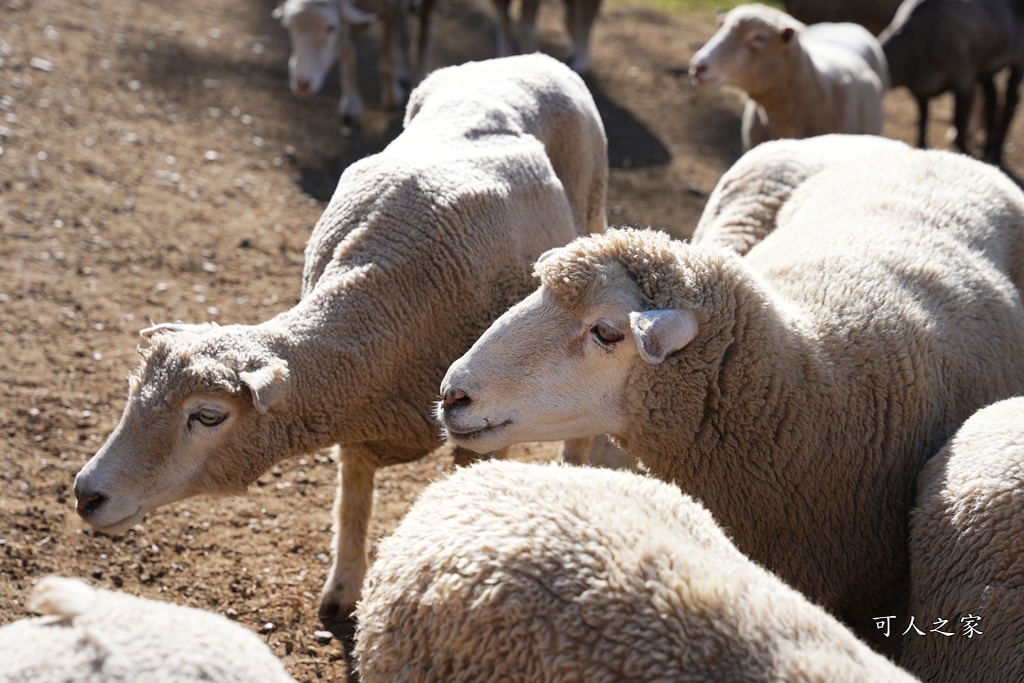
[(967, 553), (544, 573), (92, 635), (830, 362)]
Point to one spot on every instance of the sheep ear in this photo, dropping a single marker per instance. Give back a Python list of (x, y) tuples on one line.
[(787, 34), (269, 385), (545, 256), (179, 326), (659, 334)]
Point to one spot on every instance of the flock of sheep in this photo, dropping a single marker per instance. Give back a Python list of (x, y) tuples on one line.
[(819, 386)]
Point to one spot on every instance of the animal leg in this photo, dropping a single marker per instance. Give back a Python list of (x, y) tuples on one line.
[(528, 25), (922, 121), (504, 36), (353, 506), (962, 115), (424, 40), (351, 105), (997, 134), (579, 21), (576, 451)]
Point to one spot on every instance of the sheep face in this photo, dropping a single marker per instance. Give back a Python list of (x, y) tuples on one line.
[(195, 409), (752, 43), (553, 368), (314, 37)]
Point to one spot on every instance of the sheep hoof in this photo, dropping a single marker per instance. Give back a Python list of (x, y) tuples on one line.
[(337, 618)]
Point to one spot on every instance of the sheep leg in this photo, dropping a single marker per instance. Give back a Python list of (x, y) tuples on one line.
[(424, 41), (579, 20), (997, 134), (576, 451), (351, 105), (528, 25), (964, 98), (504, 37), (353, 506), (394, 56), (922, 121)]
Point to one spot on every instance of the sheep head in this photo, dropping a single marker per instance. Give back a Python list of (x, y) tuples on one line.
[(749, 43), (557, 365), (314, 27), (199, 419)]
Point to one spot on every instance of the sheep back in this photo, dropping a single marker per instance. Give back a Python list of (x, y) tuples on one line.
[(92, 635), (966, 559), (744, 205), (514, 572)]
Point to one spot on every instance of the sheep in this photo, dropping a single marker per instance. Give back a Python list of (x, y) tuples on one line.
[(579, 22), (934, 46), (92, 635), (321, 34), (965, 561), (873, 15), (796, 390), (799, 80), (743, 207), (420, 248), (514, 572)]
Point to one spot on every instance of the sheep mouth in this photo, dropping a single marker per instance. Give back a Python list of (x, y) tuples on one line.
[(476, 434), (118, 528)]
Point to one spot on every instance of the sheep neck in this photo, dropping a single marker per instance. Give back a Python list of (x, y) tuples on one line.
[(787, 104)]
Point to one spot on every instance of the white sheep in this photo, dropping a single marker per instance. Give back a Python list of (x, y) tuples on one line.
[(92, 635), (422, 246), (934, 46), (580, 16), (743, 208), (321, 34), (799, 80), (797, 390), (514, 572), (966, 564)]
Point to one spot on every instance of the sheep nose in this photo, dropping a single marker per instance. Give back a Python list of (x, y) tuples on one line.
[(454, 398), (697, 70), (88, 503), (302, 86)]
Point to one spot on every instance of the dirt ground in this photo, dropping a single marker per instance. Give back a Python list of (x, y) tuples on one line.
[(154, 167)]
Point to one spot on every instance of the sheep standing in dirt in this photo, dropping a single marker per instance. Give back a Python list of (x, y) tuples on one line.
[(580, 16), (796, 391), (321, 34), (966, 564), (92, 635), (934, 46), (800, 81), (422, 246), (515, 572), (744, 206)]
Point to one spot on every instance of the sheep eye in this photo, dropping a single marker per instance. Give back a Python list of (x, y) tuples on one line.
[(605, 335), (208, 417)]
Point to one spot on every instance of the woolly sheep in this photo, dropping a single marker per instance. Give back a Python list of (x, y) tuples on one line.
[(799, 80), (873, 15), (579, 22), (92, 635), (743, 207), (934, 46), (515, 572), (421, 247), (965, 553), (797, 390), (321, 34)]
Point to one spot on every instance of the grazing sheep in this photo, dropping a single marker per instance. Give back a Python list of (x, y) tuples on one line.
[(579, 22), (934, 46), (321, 34), (515, 572), (873, 15), (799, 80), (92, 635), (421, 247), (796, 391), (966, 564), (743, 207)]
